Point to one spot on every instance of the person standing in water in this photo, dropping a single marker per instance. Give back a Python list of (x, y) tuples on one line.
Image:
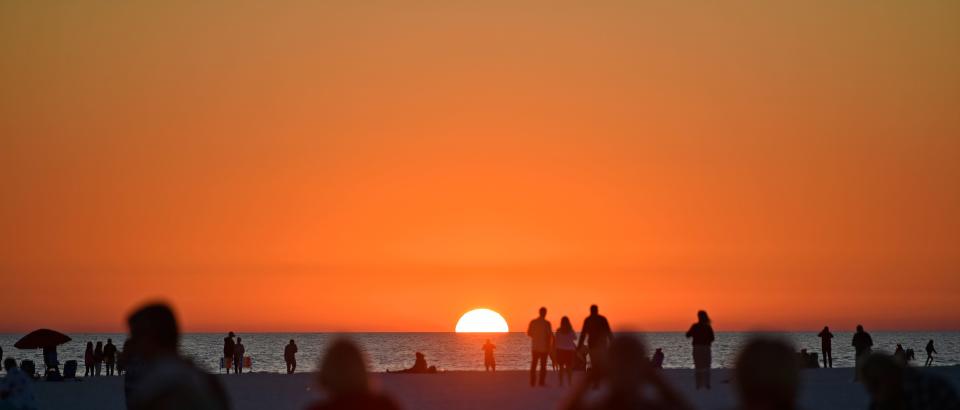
[(541, 335), (566, 343), (489, 362), (862, 344), (827, 346), (702, 335), (290, 356), (930, 352)]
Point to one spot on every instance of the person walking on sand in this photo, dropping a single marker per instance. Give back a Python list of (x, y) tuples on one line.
[(702, 335), (98, 358), (596, 332), (489, 362), (826, 344), (110, 356), (541, 334), (88, 360), (930, 352), (238, 352), (290, 356), (566, 347), (862, 345), (228, 346)]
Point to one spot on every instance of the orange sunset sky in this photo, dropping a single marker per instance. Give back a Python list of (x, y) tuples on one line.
[(389, 165)]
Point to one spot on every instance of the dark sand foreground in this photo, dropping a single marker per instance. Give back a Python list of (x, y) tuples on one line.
[(823, 389)]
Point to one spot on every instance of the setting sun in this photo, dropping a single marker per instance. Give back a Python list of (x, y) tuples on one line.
[(481, 321)]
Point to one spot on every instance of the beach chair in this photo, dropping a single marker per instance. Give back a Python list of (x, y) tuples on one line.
[(30, 368), (70, 369)]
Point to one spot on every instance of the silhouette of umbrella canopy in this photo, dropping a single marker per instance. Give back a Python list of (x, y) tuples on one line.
[(41, 338)]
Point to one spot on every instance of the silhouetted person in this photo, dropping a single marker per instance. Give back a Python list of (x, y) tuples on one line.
[(98, 358), (290, 356), (862, 344), (767, 375), (88, 361), (122, 360), (489, 362), (657, 360), (110, 356), (238, 351), (702, 335), (632, 382), (896, 387), (166, 381), (565, 342), (930, 352), (541, 334), (826, 345), (50, 359), (343, 375), (228, 347), (16, 391), (597, 334), (419, 365)]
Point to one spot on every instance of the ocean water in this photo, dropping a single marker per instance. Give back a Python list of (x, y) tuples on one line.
[(453, 351)]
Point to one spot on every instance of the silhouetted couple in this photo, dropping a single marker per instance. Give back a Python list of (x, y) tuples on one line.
[(702, 335), (233, 353)]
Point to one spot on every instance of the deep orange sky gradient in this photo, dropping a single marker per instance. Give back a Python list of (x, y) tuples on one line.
[(388, 166)]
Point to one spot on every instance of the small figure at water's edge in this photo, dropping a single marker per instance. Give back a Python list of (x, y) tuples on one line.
[(930, 352), (702, 335), (826, 345), (290, 356), (489, 362)]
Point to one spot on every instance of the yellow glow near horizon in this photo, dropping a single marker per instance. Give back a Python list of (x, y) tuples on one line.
[(482, 321)]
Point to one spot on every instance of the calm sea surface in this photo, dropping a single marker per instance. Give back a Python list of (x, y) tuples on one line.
[(452, 351)]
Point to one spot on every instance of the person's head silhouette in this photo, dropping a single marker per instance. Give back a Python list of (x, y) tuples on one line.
[(291, 341), (826, 328), (767, 375), (702, 317), (153, 331), (230, 334), (543, 312), (594, 310), (859, 328), (238, 340), (344, 370), (628, 371)]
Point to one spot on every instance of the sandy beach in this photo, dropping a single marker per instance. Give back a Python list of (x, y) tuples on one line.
[(822, 389)]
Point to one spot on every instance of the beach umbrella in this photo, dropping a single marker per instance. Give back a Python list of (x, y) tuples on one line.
[(41, 338)]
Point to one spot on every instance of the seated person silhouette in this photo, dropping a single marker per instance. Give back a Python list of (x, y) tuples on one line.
[(419, 366)]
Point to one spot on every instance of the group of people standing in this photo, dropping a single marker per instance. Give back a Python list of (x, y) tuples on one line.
[(595, 334), (234, 353), (863, 346), (594, 342), (96, 358)]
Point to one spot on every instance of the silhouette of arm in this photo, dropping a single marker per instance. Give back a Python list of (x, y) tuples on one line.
[(690, 332), (530, 329), (583, 332)]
